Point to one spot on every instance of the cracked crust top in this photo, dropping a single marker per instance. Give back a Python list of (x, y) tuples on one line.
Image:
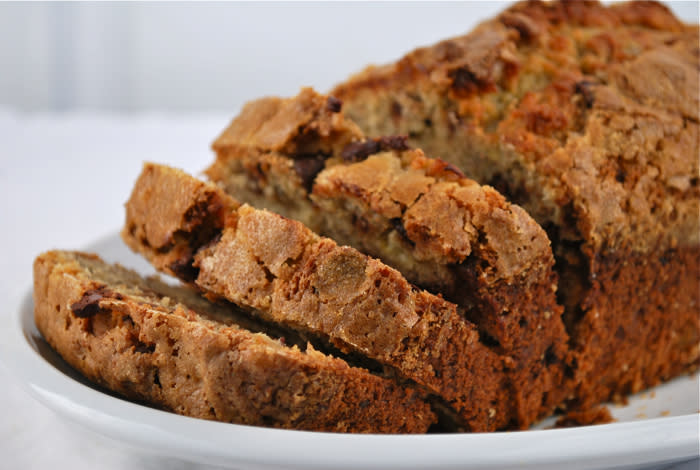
[(598, 105), (308, 125), (445, 217)]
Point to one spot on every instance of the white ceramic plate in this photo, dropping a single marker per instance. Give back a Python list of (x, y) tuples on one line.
[(658, 426)]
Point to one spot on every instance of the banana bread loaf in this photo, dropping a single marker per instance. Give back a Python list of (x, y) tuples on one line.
[(587, 117), (171, 348), (421, 216)]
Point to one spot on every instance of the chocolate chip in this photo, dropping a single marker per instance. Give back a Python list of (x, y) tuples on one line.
[(397, 223), (449, 167), (488, 340), (358, 151), (89, 303), (334, 105), (570, 369), (307, 167), (183, 269), (144, 348), (550, 357), (620, 176), (585, 89), (197, 213), (464, 81), (394, 142), (620, 333)]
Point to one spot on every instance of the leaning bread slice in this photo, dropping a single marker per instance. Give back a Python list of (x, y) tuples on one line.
[(280, 270), (171, 348), (441, 230)]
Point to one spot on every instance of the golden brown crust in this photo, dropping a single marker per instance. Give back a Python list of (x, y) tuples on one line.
[(191, 212), (309, 129), (445, 219), (587, 116), (591, 98), (299, 127), (143, 340), (293, 277)]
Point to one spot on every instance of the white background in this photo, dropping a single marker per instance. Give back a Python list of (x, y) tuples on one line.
[(187, 56), (89, 91)]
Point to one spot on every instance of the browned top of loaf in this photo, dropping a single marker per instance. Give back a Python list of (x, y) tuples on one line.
[(308, 125), (600, 101), (188, 209), (170, 347), (444, 216)]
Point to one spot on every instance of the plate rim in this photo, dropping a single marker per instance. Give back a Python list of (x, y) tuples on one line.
[(649, 441)]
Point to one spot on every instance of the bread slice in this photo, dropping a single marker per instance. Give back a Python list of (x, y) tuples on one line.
[(171, 348), (280, 270), (422, 216), (587, 117)]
